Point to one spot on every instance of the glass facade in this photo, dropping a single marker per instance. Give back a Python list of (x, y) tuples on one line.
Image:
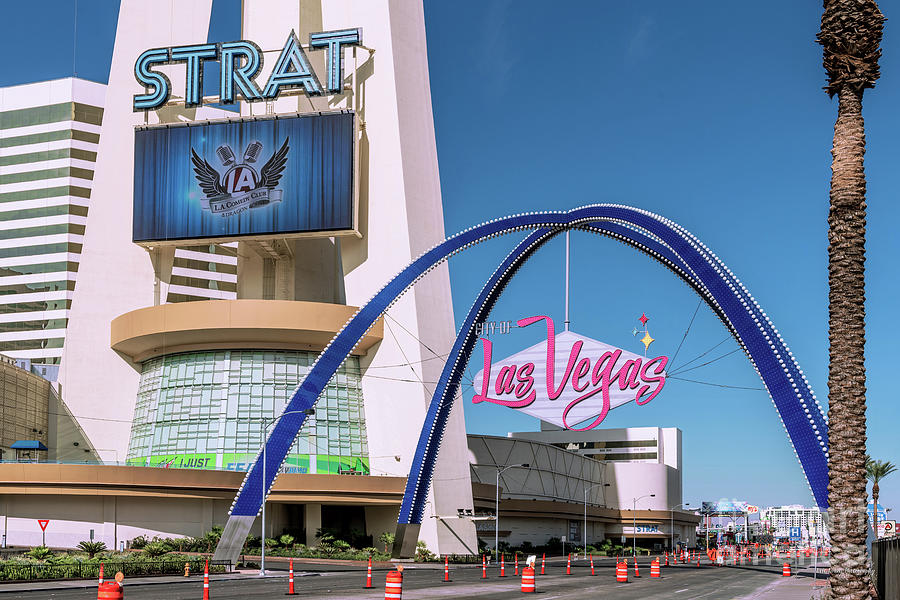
[(206, 410)]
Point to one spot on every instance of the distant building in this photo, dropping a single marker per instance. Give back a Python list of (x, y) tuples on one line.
[(783, 518), (618, 468), (31, 412)]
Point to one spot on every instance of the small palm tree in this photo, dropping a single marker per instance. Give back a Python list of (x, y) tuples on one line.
[(876, 470), (92, 548)]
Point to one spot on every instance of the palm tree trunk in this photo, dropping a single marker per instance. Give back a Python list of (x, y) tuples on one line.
[(875, 508), (850, 577)]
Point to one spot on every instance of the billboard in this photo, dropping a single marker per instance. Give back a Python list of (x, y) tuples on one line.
[(261, 177), (725, 507)]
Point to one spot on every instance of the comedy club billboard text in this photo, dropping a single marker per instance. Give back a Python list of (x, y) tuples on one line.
[(280, 176)]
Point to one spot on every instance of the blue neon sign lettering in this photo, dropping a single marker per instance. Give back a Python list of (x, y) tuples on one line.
[(292, 70), (333, 40), (193, 55), (243, 75), (158, 82), (241, 63)]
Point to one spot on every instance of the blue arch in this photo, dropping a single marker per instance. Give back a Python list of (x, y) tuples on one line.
[(660, 238), (418, 483)]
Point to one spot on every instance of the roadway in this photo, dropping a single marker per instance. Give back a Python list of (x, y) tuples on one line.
[(682, 583)]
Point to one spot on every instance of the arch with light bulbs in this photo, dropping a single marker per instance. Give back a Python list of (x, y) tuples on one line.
[(657, 237)]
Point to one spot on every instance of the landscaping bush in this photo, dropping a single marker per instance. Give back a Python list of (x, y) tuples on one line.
[(92, 548), (156, 549)]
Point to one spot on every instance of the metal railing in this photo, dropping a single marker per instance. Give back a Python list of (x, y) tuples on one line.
[(886, 564), (91, 569)]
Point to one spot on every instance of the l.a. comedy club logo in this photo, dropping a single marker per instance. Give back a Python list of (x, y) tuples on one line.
[(241, 187)]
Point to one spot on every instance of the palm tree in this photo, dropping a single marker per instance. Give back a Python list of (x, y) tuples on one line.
[(876, 470), (850, 36)]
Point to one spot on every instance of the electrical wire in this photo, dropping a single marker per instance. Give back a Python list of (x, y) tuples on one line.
[(720, 385), (705, 353), (709, 362), (686, 331)]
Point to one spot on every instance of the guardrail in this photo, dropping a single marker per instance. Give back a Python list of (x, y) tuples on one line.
[(886, 563), (91, 570)]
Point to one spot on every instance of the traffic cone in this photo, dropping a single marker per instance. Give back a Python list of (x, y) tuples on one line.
[(543, 560), (368, 575), (393, 587), (100, 582), (592, 564), (206, 580), (698, 562), (516, 569), (636, 572), (502, 566), (291, 591), (569, 565), (483, 567), (446, 569), (667, 559)]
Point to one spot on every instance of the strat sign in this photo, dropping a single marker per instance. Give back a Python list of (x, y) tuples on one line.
[(241, 63), (569, 380)]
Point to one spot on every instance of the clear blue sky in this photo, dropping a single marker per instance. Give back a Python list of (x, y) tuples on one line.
[(710, 114)]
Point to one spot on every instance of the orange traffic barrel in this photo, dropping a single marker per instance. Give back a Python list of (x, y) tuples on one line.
[(393, 587), (528, 580), (110, 590), (654, 568), (786, 570), (622, 572)]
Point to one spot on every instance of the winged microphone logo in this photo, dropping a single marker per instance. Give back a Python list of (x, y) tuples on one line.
[(241, 187)]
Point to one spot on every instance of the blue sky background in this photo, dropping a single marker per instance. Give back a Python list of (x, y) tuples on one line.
[(711, 114)]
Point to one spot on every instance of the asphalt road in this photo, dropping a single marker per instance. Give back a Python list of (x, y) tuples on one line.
[(682, 582)]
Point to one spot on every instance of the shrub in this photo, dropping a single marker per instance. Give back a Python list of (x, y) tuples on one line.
[(386, 538), (92, 548), (157, 548), (286, 540), (139, 542), (40, 553), (423, 554)]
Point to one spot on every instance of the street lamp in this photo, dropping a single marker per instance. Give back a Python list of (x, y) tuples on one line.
[(262, 487), (586, 491), (634, 522), (497, 506), (672, 522)]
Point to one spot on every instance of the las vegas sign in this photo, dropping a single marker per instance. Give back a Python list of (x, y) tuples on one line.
[(568, 379)]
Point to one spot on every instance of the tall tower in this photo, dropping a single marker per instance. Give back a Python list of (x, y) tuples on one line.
[(176, 330)]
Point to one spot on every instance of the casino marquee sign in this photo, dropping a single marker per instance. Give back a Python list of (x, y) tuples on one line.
[(569, 380)]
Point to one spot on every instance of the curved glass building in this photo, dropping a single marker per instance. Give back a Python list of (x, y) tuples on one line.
[(207, 410)]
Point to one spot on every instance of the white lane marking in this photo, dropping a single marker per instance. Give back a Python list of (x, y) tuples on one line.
[(684, 590)]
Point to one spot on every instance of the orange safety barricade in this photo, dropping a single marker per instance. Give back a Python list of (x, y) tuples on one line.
[(622, 572), (110, 590), (527, 580), (654, 568), (393, 586)]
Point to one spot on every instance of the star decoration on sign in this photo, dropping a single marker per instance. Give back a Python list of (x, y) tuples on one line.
[(647, 339)]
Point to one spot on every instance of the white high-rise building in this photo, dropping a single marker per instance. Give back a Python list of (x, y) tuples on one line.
[(783, 518), (49, 136)]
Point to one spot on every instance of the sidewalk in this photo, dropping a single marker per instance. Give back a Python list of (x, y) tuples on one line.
[(800, 586)]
